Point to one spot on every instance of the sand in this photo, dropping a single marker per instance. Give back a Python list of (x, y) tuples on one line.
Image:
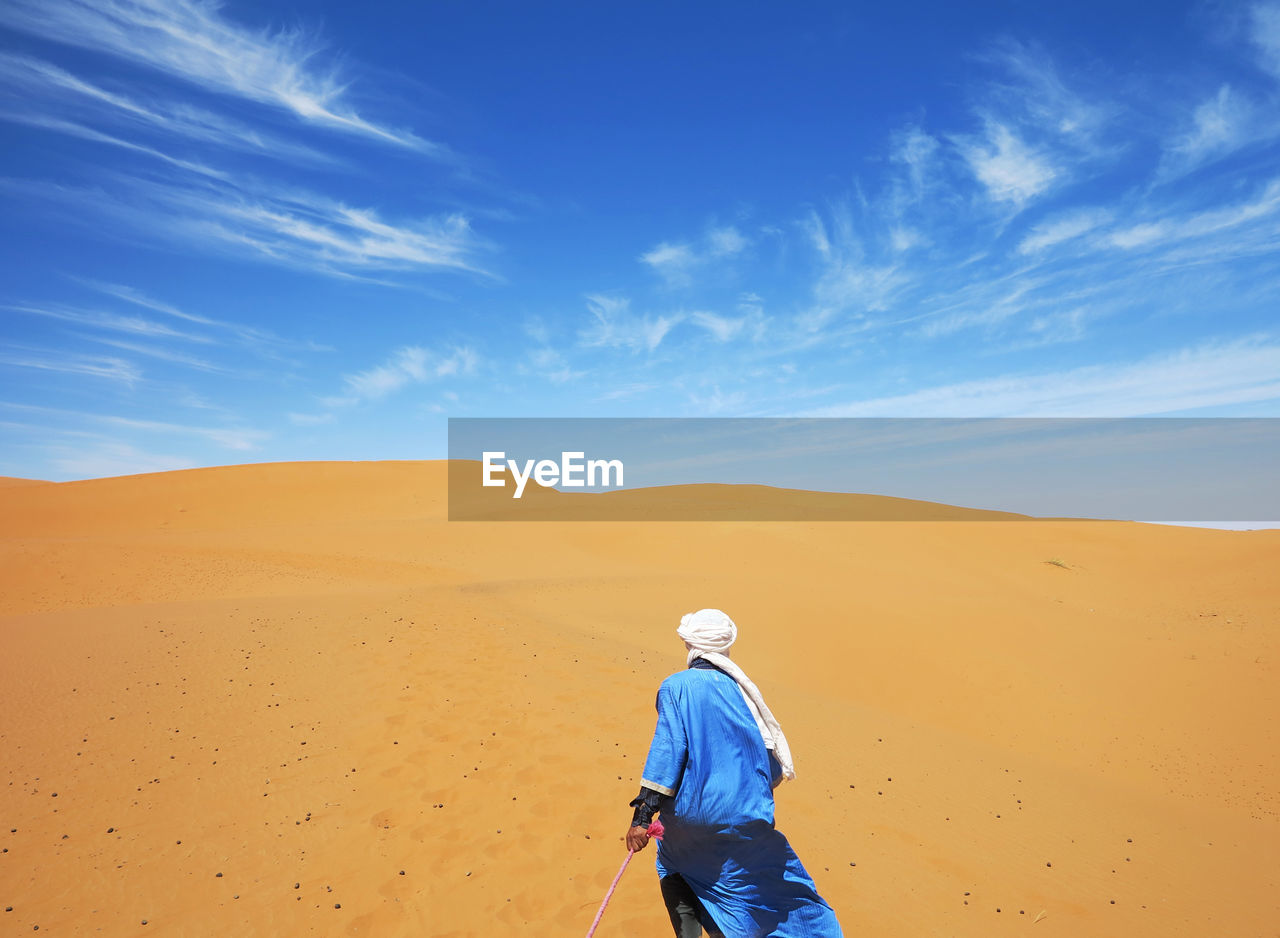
[(294, 699)]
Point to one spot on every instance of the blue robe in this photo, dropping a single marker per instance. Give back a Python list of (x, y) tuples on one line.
[(709, 759)]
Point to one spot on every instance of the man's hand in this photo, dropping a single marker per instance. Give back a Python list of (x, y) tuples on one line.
[(637, 838)]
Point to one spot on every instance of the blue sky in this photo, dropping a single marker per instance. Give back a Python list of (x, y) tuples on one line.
[(276, 231)]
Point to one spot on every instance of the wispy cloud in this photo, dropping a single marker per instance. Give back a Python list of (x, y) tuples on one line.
[(310, 420), (62, 362), (551, 363), (1219, 126), (984, 232), (88, 133), (103, 458), (162, 354), (1214, 374), (918, 153), (1009, 169), (673, 261), (240, 439), (138, 298), (1063, 227), (319, 233), (411, 364), (237, 438), (1059, 326), (1028, 88), (545, 360), (256, 338), (716, 401), (728, 328), (677, 262), (850, 281), (34, 90), (1265, 35), (615, 326), (99, 319), (191, 40), (1214, 222), (991, 304), (628, 391), (281, 225)]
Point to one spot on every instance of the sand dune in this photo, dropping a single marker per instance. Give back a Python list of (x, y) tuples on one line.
[(471, 501), (7, 481), (294, 699)]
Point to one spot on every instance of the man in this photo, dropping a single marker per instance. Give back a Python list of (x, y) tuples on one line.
[(716, 756)]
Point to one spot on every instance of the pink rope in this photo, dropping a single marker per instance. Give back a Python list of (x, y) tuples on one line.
[(655, 831), (609, 895)]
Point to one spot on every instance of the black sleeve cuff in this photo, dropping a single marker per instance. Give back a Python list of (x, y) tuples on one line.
[(645, 803)]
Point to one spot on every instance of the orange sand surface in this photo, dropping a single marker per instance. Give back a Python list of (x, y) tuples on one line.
[(295, 700)]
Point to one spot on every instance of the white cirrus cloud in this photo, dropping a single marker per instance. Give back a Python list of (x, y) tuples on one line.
[(721, 328), (71, 128), (1207, 223), (628, 391), (309, 420), (276, 224), (1141, 235), (162, 354), (191, 40), (229, 437), (260, 340), (99, 319), (551, 364), (37, 89), (725, 242), (676, 262), (848, 281), (1265, 34), (1064, 227), (613, 325), (672, 261), (105, 458), (917, 152), (1007, 167), (904, 239), (240, 439), (1035, 95), (410, 364), (62, 362), (1213, 374), (1220, 125)]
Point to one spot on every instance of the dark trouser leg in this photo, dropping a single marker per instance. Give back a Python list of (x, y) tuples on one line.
[(688, 917)]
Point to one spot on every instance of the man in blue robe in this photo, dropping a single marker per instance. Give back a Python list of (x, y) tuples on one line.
[(716, 756)]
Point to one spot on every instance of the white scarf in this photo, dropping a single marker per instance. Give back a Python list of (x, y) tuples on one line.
[(709, 634)]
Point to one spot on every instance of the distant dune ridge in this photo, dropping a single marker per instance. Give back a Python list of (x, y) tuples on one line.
[(10, 481), (295, 699), (469, 500)]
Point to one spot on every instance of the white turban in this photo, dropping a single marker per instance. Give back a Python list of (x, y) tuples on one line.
[(709, 634)]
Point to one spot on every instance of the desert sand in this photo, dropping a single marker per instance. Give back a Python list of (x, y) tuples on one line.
[(296, 700)]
